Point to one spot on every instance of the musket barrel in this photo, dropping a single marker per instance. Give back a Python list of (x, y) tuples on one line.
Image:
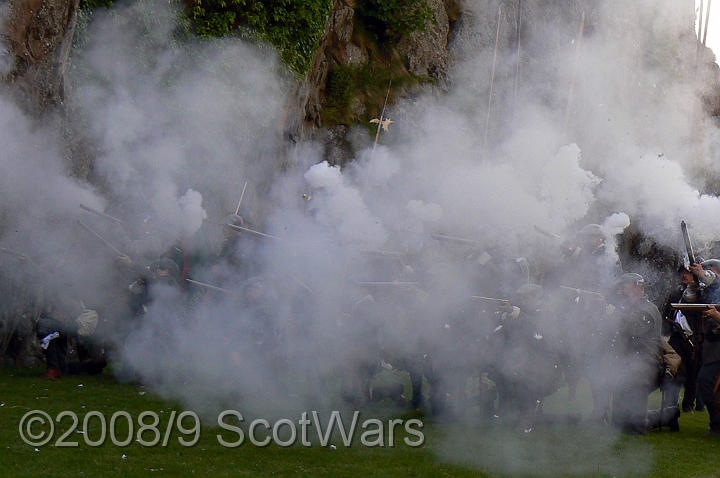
[(581, 291), (489, 299), (208, 286), (386, 283), (102, 239), (252, 231), (101, 214), (687, 306)]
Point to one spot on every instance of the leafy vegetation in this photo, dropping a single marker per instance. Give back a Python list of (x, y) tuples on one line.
[(368, 85), (293, 26), (92, 4), (393, 19)]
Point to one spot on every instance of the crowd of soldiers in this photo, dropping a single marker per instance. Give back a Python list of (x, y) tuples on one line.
[(522, 336)]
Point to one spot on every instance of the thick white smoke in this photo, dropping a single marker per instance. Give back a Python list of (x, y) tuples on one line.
[(377, 260)]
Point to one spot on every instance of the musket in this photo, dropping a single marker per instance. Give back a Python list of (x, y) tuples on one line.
[(489, 299), (102, 239), (383, 253), (101, 214), (689, 306), (252, 231), (208, 286), (582, 291), (688, 244), (445, 237), (548, 233), (383, 283)]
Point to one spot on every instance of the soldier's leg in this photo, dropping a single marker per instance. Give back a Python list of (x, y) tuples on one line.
[(669, 412), (691, 367), (56, 357), (707, 378), (414, 368)]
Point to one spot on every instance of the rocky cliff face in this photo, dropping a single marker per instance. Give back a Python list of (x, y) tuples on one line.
[(462, 28), (421, 55), (38, 34)]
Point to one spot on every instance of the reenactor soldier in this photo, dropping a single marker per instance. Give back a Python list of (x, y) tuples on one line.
[(526, 368), (635, 350), (683, 329), (239, 245), (709, 375)]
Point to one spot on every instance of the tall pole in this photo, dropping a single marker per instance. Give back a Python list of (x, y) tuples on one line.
[(707, 19), (574, 74), (517, 55), (492, 77), (382, 118), (242, 195)]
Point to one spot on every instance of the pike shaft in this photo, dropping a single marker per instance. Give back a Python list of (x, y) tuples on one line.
[(707, 19), (492, 77), (242, 195)]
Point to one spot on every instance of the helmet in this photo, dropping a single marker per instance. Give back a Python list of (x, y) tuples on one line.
[(165, 263), (233, 219), (629, 278)]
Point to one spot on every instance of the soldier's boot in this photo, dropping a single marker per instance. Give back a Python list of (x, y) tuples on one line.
[(666, 417)]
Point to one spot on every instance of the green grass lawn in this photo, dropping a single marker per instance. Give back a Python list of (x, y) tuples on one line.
[(552, 449)]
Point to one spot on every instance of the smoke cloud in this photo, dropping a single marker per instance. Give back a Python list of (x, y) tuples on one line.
[(377, 261)]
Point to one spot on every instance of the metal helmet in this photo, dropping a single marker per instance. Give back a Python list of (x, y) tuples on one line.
[(233, 220), (165, 263), (629, 278)]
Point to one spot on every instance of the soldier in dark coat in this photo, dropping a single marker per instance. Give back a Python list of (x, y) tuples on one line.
[(53, 333), (635, 348), (710, 370), (683, 329), (526, 367)]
